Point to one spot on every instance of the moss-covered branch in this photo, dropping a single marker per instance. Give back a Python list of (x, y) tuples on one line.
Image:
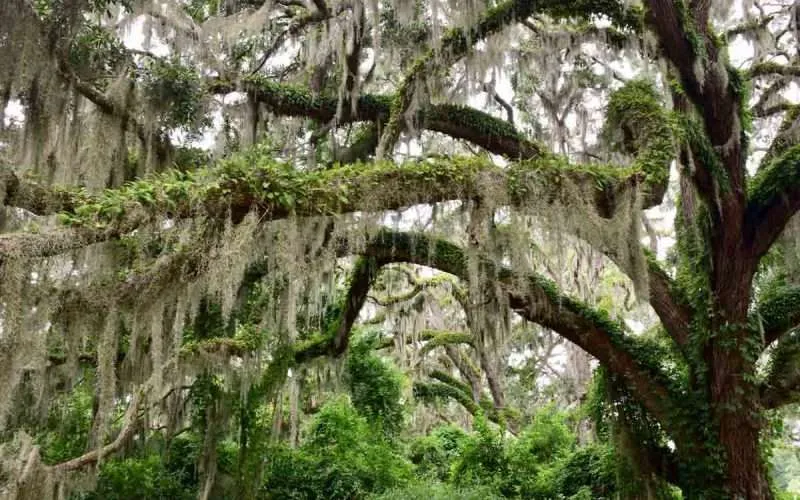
[(456, 390), (788, 133), (454, 45), (782, 383), (25, 193), (460, 122), (251, 182), (669, 302), (774, 196), (538, 300), (417, 286), (772, 68), (778, 312), (432, 339)]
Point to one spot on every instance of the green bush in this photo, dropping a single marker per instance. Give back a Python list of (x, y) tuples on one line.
[(137, 478), (343, 457), (483, 459), (437, 491), (375, 386), (434, 454)]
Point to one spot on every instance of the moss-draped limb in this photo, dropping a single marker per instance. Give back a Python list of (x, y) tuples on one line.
[(460, 122), (773, 198), (25, 193), (457, 43), (772, 68), (432, 339), (443, 339), (454, 45), (713, 87), (151, 138), (778, 312), (538, 300), (782, 383), (430, 391), (788, 133), (446, 387), (417, 286), (275, 190)]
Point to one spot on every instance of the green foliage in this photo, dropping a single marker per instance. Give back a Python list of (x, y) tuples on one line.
[(343, 457), (69, 422), (136, 478), (637, 123), (375, 386), (177, 92), (542, 463), (482, 459), (438, 491), (97, 55), (435, 454), (774, 179)]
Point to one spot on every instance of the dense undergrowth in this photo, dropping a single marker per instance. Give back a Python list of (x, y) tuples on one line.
[(361, 443)]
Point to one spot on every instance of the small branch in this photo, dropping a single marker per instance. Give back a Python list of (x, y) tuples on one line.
[(750, 27), (127, 431), (291, 32), (502, 102), (771, 69), (788, 135)]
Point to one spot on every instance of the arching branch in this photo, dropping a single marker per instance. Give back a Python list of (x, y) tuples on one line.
[(460, 122), (237, 187), (538, 300)]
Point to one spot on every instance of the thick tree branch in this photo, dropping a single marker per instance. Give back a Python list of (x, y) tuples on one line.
[(239, 186), (668, 302), (460, 122), (773, 199), (446, 386), (538, 300), (750, 27), (711, 86)]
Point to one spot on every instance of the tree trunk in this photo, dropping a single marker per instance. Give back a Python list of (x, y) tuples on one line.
[(737, 406), (746, 476)]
